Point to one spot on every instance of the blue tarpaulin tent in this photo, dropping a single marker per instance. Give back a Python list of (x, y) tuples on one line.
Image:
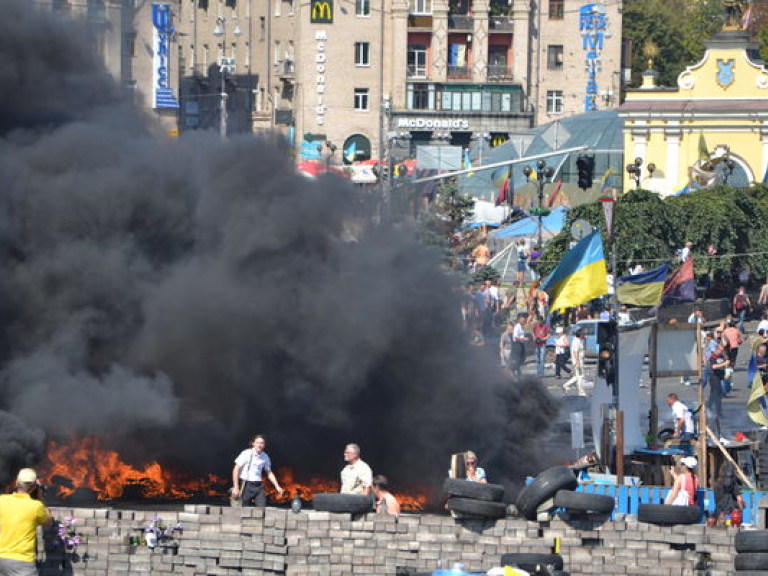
[(551, 224)]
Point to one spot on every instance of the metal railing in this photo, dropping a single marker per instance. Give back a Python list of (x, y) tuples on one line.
[(500, 23), (499, 72), (417, 71), (460, 22), (459, 72)]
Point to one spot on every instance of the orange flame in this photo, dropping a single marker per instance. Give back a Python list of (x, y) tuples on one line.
[(88, 464)]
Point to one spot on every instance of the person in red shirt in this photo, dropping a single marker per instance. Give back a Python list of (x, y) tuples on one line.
[(541, 332)]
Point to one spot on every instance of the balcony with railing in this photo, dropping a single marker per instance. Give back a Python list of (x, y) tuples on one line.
[(499, 73), (459, 72), (500, 24), (460, 22), (286, 69), (420, 22), (417, 71)]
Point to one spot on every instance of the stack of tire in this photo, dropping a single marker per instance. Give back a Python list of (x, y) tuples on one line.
[(474, 499), (752, 553), (668, 515), (342, 503), (554, 488), (539, 564)]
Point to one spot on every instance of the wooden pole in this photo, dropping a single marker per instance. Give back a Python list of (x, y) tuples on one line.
[(620, 447), (653, 415), (703, 478), (730, 459)]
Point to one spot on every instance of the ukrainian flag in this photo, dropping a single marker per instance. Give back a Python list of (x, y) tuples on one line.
[(644, 289), (580, 276), (757, 405)]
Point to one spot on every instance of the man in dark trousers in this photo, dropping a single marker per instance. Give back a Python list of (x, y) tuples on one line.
[(250, 466)]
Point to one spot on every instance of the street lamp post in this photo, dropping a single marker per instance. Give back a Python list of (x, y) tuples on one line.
[(636, 170), (226, 66), (544, 174)]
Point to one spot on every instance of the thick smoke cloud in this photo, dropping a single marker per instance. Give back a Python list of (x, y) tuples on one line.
[(175, 297)]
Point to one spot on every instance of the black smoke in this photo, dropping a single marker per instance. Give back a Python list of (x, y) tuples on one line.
[(176, 296)]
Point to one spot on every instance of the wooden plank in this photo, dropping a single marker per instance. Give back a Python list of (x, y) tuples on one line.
[(730, 459)]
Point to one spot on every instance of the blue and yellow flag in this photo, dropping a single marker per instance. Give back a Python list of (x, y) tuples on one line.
[(580, 276), (644, 289), (757, 405)]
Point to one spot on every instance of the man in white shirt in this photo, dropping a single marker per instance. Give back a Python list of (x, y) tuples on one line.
[(684, 429), (250, 466), (356, 476), (577, 360)]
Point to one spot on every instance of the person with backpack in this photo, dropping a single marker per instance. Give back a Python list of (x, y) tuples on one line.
[(742, 305)]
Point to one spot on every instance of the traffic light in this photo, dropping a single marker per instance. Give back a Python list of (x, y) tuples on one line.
[(586, 168), (607, 349), (401, 170)]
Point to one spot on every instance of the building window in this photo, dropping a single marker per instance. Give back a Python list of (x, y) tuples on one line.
[(556, 9), (555, 102), (418, 96), (362, 54), (363, 7), (277, 54), (417, 61), (129, 45), (421, 6), (555, 57), (361, 99)]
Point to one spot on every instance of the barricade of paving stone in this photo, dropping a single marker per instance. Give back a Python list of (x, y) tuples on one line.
[(220, 541)]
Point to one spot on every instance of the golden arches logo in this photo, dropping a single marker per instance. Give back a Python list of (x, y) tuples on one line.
[(322, 12), (499, 139)]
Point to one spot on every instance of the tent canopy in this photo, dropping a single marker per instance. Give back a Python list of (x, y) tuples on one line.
[(551, 224)]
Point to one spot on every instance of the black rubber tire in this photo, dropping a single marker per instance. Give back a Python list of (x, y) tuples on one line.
[(544, 487), (751, 561), (583, 502), (529, 561), (665, 515), (477, 507), (474, 490), (752, 541), (342, 503), (666, 434)]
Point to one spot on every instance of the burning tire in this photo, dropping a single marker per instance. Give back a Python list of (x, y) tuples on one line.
[(752, 541), (544, 487), (665, 515), (342, 503), (474, 490), (583, 503), (752, 561), (477, 507), (531, 562)]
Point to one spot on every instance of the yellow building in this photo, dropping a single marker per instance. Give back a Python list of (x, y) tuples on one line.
[(711, 129)]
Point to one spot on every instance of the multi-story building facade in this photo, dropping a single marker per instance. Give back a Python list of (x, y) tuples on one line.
[(357, 79)]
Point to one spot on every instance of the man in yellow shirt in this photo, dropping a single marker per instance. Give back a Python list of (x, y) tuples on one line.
[(20, 515)]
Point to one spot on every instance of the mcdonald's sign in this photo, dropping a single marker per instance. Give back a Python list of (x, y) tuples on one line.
[(497, 139), (321, 12)]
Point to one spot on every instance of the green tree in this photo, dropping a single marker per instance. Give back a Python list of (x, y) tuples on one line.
[(439, 224), (678, 27), (650, 229)]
